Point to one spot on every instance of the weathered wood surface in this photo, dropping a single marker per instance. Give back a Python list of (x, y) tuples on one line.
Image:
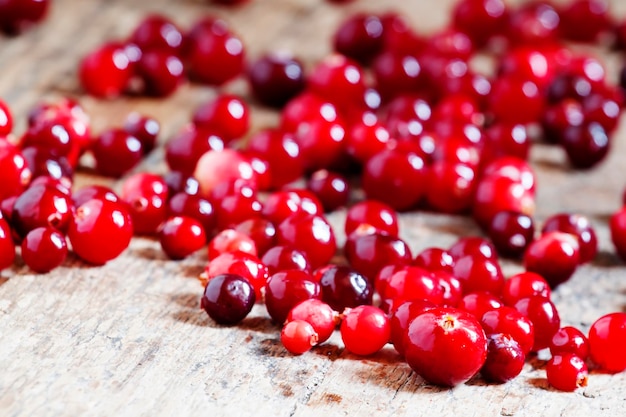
[(129, 339)]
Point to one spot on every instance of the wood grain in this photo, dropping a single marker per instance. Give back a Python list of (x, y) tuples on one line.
[(128, 338)]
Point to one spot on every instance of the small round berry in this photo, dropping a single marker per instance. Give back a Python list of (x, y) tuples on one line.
[(318, 314), (7, 247), (554, 256), (569, 340), (181, 236), (580, 227), (106, 71), (566, 372), (43, 249), (505, 359), (544, 316), (287, 289), (228, 298), (365, 330), (607, 338), (341, 287), (523, 285), (275, 78), (230, 240), (298, 337), (116, 152), (374, 213)]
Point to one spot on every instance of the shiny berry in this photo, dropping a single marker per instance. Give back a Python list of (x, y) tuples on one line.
[(360, 37), (275, 78), (282, 153), (401, 317), (228, 298), (569, 339), (43, 249), (227, 115), (230, 240), (370, 252), (106, 71), (116, 152), (580, 227), (479, 274), (157, 32), (331, 189), (7, 247), (342, 287), (566, 372), (509, 321), (479, 302), (161, 73), (586, 145), (544, 316), (435, 259), (374, 213), (283, 258), (318, 314), (195, 207), (523, 285), (607, 338), (309, 233), (505, 359), (215, 167), (184, 150), (207, 46), (243, 264), (41, 206), (511, 233), (181, 236), (16, 174), (365, 330), (287, 289), (298, 336), (554, 256)]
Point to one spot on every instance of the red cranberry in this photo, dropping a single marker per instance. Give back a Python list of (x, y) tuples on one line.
[(106, 71), (535, 23), (41, 206), (181, 236), (18, 15), (412, 283), (450, 186), (116, 152), (366, 138), (331, 189), (401, 317), (508, 320), (6, 119), (474, 246), (230, 240), (554, 256), (208, 45), (44, 249), (560, 117), (287, 289), (365, 330), (243, 264), (185, 149), (506, 139), (100, 231), (157, 32), (511, 233), (283, 258), (161, 72), (298, 336), (342, 287), (282, 153), (282, 204), (569, 340), (398, 73), (585, 20), (481, 20), (227, 166), (495, 194), (227, 115), (395, 178), (566, 372), (360, 37), (617, 226), (318, 314), (228, 298), (372, 212), (15, 172), (49, 134), (321, 142), (479, 274), (586, 145), (480, 302), (523, 95), (7, 247), (516, 169), (523, 285), (275, 78), (146, 196), (445, 346), (193, 206), (369, 253), (505, 359), (580, 227), (607, 337), (544, 316), (337, 79), (435, 259), (261, 231), (310, 233)]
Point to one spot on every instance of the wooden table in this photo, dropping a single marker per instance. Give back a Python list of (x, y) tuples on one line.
[(128, 338)]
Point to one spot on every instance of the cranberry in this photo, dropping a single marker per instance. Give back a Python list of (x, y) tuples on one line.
[(157, 32), (227, 115), (310, 233), (506, 139), (524, 95), (508, 320), (282, 204), (456, 149), (177, 182), (15, 172), (106, 71), (406, 116), (401, 317), (275, 78), (237, 207), (116, 152), (215, 167), (560, 117), (451, 288), (44, 249), (450, 186), (185, 149), (398, 36), (228, 298), (338, 79), (372, 212), (282, 153), (182, 204), (144, 128), (365, 330), (208, 45), (161, 72), (523, 285), (100, 231), (554, 256), (89, 192), (321, 142), (18, 15), (331, 189), (544, 316), (343, 287), (580, 227), (318, 314), (282, 258), (586, 145), (515, 169), (435, 259), (505, 359), (617, 226), (569, 340), (445, 346), (230, 240), (181, 236), (585, 20), (479, 274), (395, 178), (366, 138), (243, 264), (511, 233), (7, 247), (481, 20), (474, 246), (497, 193), (398, 73), (298, 336), (286, 289), (566, 372), (534, 23), (412, 283), (369, 253), (478, 303), (6, 119), (49, 134), (41, 206), (146, 196), (261, 231), (43, 162), (360, 37), (607, 336)]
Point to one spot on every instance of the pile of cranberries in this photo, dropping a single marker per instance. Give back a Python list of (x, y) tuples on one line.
[(404, 116)]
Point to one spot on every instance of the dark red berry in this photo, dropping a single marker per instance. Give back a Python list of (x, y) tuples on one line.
[(184, 150), (287, 289), (275, 78), (544, 316), (41, 206), (318, 314), (480, 302), (360, 37), (523, 285), (342, 287), (509, 321), (7, 247), (511, 233), (331, 189), (243, 264), (227, 115), (580, 227), (283, 258), (181, 236), (157, 32), (309, 233), (505, 359), (228, 298), (370, 252), (401, 317), (116, 152)]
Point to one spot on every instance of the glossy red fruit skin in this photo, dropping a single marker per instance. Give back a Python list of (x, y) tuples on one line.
[(474, 246), (275, 78), (511, 233), (282, 204), (566, 372), (261, 231), (445, 346), (365, 330), (535, 23), (506, 139), (617, 226), (116, 152), (585, 20), (509, 321), (395, 178), (49, 134), (586, 146), (360, 37), (580, 227), (523, 285), (554, 256), (227, 115), (6, 119), (196, 207), (401, 317), (243, 264), (7, 247), (184, 150), (236, 207), (479, 274), (283, 258), (181, 236), (226, 167), (157, 32), (544, 316), (309, 233), (342, 287), (230, 240), (481, 20), (450, 186), (161, 72), (44, 249), (505, 359), (332, 189), (569, 339), (146, 197), (40, 206), (369, 253), (478, 303), (337, 79), (208, 46), (282, 153), (524, 94), (497, 193), (318, 314), (298, 336), (412, 283), (372, 212), (513, 168), (106, 71), (435, 259), (16, 174), (607, 337), (228, 298), (286, 289), (96, 222)]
